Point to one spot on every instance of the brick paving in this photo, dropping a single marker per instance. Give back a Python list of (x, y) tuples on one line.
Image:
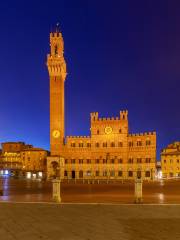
[(33, 221)]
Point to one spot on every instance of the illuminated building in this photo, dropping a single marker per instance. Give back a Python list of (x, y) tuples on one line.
[(109, 152), (19, 158), (34, 160), (170, 160), (11, 155)]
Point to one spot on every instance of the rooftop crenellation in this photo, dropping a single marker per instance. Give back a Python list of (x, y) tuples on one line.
[(123, 116), (141, 134), (77, 137)]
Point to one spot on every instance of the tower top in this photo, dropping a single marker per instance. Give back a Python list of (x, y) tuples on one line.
[(55, 60), (56, 30), (56, 42), (58, 27)]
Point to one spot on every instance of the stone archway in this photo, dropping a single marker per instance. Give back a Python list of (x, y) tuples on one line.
[(139, 174), (55, 167), (80, 174), (73, 174)]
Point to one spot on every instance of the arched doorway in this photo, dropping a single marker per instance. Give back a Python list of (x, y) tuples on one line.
[(81, 174), (73, 174), (55, 167), (147, 174), (139, 174), (130, 173), (65, 173)]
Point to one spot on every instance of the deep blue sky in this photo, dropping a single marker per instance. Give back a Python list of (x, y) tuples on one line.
[(119, 54)]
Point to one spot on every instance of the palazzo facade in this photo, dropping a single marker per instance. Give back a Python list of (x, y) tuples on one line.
[(170, 161), (110, 152), (22, 160)]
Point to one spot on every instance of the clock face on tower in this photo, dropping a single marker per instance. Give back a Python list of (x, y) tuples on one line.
[(108, 130), (56, 133)]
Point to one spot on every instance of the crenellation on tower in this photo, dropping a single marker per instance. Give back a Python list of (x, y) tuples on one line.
[(94, 116), (55, 34), (124, 115)]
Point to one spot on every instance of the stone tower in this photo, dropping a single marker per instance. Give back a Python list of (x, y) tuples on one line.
[(57, 74)]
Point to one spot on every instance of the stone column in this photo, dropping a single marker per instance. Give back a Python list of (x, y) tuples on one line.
[(56, 190), (138, 191)]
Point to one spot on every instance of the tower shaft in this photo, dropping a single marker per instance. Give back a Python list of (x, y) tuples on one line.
[(57, 74)]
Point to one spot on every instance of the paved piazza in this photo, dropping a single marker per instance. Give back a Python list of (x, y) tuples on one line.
[(115, 192), (88, 222)]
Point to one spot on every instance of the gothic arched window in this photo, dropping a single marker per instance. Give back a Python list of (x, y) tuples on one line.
[(56, 49)]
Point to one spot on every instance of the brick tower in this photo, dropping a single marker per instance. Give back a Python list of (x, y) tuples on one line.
[(57, 74)]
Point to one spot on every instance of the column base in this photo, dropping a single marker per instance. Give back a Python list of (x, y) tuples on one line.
[(56, 199), (138, 200)]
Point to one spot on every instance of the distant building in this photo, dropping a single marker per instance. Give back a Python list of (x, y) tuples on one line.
[(33, 160), (110, 152), (18, 158), (14, 146), (10, 157), (158, 170), (170, 160)]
